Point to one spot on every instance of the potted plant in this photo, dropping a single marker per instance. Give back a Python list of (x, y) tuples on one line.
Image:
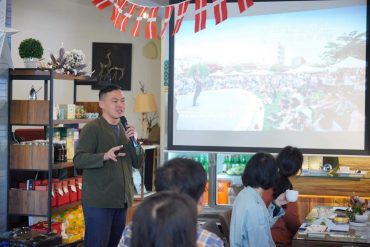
[(357, 209), (31, 51)]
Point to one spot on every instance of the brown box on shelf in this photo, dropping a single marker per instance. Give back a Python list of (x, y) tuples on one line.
[(29, 157), (28, 202), (29, 112)]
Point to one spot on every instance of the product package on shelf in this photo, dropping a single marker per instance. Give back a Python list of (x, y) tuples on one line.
[(72, 190), (63, 108), (79, 187), (70, 144), (42, 227), (41, 185), (30, 184), (73, 225), (71, 111), (53, 194), (62, 193)]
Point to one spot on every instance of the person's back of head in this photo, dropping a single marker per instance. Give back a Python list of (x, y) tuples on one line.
[(181, 175), (261, 171), (165, 219), (289, 162)]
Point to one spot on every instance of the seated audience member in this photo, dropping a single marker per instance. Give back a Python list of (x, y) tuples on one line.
[(182, 176), (289, 162), (165, 219), (251, 220)]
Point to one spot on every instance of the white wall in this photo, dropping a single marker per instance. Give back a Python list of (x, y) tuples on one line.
[(76, 24)]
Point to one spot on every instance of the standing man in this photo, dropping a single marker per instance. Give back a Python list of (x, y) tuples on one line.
[(105, 154)]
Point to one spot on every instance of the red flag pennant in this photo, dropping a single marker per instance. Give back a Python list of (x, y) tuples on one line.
[(121, 24), (200, 15), (118, 18), (151, 24), (115, 12), (220, 10), (181, 11), (244, 4), (167, 17), (136, 29), (102, 4)]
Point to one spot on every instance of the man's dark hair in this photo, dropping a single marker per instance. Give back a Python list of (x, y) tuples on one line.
[(108, 89), (166, 218), (181, 175), (261, 171), (289, 162)]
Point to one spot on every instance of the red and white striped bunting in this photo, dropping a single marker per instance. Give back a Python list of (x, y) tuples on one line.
[(200, 15), (244, 4), (151, 24), (220, 10), (181, 12), (123, 10), (167, 17), (135, 32)]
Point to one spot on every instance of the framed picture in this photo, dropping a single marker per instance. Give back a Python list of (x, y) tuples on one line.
[(111, 63)]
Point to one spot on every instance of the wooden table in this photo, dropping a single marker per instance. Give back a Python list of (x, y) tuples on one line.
[(356, 236)]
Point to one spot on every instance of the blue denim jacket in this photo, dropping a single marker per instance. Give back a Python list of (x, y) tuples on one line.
[(251, 220)]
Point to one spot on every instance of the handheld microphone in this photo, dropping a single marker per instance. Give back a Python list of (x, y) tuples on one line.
[(132, 139)]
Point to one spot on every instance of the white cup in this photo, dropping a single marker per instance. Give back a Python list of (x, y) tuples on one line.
[(291, 195)]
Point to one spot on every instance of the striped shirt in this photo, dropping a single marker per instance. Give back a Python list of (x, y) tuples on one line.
[(204, 238)]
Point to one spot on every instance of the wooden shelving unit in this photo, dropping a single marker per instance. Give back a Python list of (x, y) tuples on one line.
[(32, 159)]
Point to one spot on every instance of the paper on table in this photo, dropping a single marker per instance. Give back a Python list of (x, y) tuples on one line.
[(340, 208), (332, 227)]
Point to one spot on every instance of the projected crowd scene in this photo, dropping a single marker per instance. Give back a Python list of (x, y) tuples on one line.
[(262, 78)]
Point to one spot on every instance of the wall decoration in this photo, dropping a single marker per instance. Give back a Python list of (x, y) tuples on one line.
[(166, 73), (121, 14), (111, 63)]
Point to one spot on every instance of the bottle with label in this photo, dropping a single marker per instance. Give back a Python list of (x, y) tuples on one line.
[(70, 144), (231, 195), (226, 164), (205, 163), (63, 151), (236, 161)]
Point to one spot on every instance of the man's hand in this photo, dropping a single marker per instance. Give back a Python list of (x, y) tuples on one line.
[(130, 132), (111, 154)]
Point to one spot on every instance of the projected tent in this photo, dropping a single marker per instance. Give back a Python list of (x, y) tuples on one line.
[(350, 63), (306, 69)]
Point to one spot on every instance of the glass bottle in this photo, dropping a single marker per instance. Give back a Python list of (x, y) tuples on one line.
[(226, 164)]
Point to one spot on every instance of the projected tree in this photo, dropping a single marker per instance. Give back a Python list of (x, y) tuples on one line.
[(346, 45)]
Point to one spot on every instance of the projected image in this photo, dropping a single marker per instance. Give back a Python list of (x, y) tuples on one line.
[(292, 71)]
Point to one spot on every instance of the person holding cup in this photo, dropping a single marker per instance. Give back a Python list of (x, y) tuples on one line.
[(251, 221), (289, 162)]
